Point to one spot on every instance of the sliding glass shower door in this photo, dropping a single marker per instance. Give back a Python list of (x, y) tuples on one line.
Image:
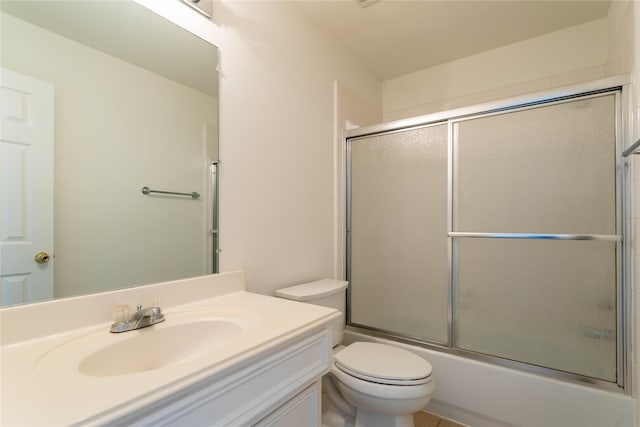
[(398, 256), (534, 215), (496, 235)]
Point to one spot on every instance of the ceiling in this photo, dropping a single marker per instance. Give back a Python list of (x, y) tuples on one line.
[(396, 37)]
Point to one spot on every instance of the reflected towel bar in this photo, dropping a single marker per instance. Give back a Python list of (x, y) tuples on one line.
[(606, 237), (147, 190), (632, 149)]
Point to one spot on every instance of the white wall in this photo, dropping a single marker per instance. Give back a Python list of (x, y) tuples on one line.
[(277, 142), (276, 123), (552, 60), (107, 233), (624, 56), (277, 138)]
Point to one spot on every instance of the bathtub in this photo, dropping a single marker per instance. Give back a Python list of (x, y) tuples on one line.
[(480, 394)]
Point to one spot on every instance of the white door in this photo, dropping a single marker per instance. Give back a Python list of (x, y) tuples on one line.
[(26, 188)]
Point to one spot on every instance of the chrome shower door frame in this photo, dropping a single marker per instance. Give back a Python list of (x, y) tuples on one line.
[(214, 227), (454, 237), (619, 86)]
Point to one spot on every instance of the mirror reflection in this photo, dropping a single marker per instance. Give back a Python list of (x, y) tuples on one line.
[(100, 99)]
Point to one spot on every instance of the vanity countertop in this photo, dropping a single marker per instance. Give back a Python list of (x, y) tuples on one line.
[(34, 391)]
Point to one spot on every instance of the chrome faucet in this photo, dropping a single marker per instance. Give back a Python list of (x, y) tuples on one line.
[(142, 318)]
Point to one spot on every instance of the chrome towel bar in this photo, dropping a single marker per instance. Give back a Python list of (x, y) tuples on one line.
[(606, 237), (147, 190), (631, 149)]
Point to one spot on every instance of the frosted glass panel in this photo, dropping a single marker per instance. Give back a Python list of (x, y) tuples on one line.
[(548, 303), (549, 169), (398, 232)]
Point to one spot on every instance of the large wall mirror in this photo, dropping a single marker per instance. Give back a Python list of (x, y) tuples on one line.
[(100, 99)]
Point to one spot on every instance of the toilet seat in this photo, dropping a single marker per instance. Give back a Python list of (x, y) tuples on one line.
[(389, 393), (383, 364)]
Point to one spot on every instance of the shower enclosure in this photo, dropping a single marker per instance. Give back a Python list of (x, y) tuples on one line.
[(495, 234)]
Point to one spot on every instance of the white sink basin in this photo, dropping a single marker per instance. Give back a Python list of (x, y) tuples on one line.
[(154, 347), (181, 337)]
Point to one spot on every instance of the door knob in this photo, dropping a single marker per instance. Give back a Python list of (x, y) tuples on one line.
[(42, 257)]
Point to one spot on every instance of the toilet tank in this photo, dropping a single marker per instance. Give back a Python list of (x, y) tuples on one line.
[(325, 292)]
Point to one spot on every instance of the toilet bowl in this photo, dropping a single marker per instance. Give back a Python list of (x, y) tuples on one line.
[(385, 384), (369, 384)]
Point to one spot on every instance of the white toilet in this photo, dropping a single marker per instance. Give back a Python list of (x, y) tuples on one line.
[(370, 384)]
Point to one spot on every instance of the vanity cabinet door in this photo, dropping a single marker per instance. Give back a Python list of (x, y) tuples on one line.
[(276, 388), (301, 411)]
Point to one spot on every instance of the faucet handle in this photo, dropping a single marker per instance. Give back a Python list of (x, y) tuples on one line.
[(121, 318), (121, 313), (156, 302), (155, 311)]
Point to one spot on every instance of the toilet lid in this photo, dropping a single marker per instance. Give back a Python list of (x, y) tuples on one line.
[(383, 364)]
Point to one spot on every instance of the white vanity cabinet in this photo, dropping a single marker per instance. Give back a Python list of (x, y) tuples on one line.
[(280, 388), (222, 357), (302, 410)]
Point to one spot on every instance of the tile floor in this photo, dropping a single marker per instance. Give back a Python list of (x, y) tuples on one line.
[(425, 419)]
